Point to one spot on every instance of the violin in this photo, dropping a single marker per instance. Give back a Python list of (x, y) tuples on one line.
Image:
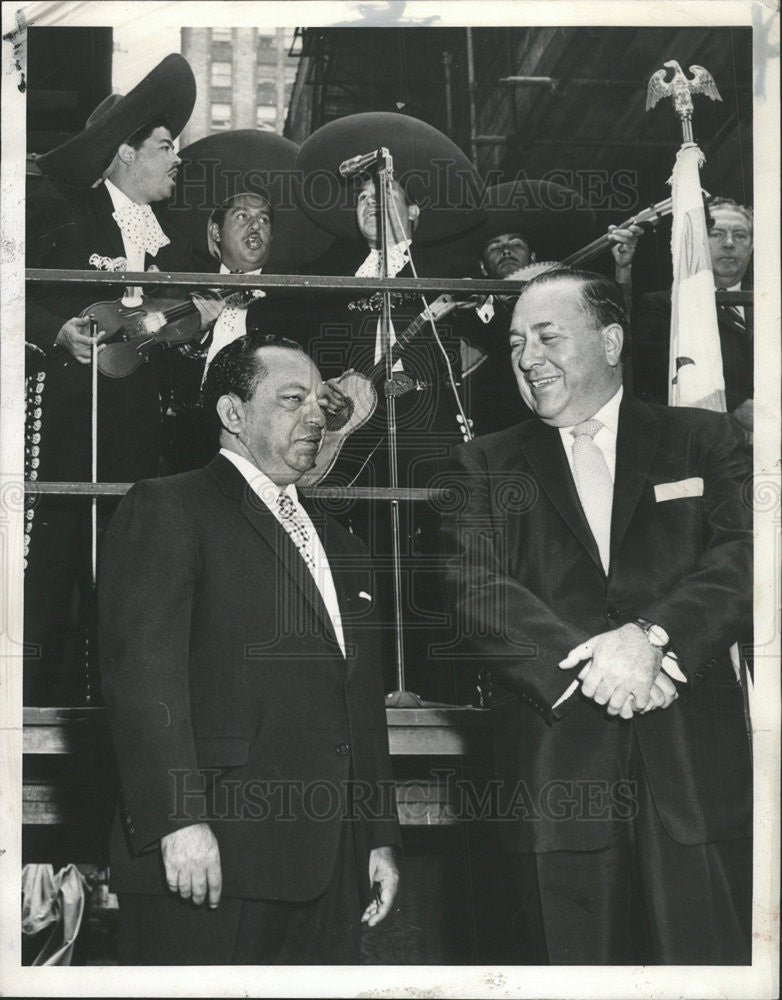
[(131, 331), (648, 216), (360, 394)]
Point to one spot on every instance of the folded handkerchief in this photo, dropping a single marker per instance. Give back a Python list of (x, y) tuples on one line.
[(675, 491), (365, 595)]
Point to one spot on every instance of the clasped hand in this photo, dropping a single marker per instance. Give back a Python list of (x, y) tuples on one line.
[(622, 671)]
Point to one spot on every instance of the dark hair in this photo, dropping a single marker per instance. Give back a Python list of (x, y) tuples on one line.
[(238, 367), (218, 215), (717, 202), (601, 297), (140, 136)]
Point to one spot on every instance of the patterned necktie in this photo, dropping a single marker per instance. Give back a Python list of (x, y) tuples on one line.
[(296, 528), (733, 317), (139, 226), (594, 485)]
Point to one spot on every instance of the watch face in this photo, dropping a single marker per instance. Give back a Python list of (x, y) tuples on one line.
[(658, 636)]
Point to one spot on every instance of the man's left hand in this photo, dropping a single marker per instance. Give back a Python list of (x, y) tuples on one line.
[(384, 879), (333, 399), (623, 244), (209, 306), (619, 663)]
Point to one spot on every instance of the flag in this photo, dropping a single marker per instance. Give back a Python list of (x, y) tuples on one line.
[(695, 366)]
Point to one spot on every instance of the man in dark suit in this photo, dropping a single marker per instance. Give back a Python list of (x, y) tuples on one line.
[(94, 211), (603, 572), (730, 245), (246, 707)]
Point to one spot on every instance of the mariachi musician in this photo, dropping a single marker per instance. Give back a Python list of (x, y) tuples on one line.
[(234, 201), (94, 211), (429, 202)]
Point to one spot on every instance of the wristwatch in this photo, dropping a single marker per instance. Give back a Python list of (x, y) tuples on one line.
[(656, 634)]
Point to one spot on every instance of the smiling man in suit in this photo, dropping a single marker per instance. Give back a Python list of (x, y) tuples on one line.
[(241, 673), (603, 572)]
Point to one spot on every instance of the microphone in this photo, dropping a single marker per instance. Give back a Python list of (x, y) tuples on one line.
[(357, 164)]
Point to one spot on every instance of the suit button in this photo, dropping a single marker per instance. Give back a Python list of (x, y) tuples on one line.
[(343, 748)]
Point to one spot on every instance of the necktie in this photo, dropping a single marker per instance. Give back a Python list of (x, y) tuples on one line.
[(594, 485), (733, 317), (293, 524), (138, 224)]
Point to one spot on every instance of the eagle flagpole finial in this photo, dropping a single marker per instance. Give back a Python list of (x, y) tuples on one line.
[(681, 90)]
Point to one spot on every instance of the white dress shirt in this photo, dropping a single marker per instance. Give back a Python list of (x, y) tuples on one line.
[(231, 323), (605, 439), (398, 258), (135, 248), (268, 492)]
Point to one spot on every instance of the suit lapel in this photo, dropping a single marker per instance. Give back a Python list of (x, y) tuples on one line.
[(546, 455), (107, 232), (258, 515), (636, 445)]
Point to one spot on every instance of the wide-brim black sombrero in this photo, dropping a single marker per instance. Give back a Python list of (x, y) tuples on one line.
[(166, 94), (246, 161), (554, 219), (433, 171)]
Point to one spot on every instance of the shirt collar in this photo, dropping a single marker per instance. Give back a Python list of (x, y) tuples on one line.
[(258, 481), (608, 414), (118, 198), (227, 270)]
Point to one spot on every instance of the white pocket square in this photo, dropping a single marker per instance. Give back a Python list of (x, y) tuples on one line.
[(675, 491), (365, 595)]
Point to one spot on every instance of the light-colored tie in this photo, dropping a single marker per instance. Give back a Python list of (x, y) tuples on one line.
[(138, 224), (296, 528), (594, 485)]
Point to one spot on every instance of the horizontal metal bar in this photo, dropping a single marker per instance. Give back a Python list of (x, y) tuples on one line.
[(316, 492), (574, 81), (501, 140), (308, 282), (69, 716)]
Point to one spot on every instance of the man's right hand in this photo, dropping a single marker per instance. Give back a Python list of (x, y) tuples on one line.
[(75, 337), (191, 857)]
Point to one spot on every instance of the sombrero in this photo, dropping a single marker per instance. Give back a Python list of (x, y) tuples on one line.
[(245, 161), (434, 172), (554, 219), (166, 94)]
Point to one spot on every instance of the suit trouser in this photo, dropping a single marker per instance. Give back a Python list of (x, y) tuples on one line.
[(167, 930), (645, 899)]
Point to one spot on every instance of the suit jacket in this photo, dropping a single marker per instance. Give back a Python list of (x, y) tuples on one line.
[(228, 697), (651, 351), (530, 587)]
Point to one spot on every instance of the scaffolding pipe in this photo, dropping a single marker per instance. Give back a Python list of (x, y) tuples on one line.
[(471, 95)]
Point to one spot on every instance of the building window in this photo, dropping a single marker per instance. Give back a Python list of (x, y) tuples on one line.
[(267, 115), (221, 74), (221, 34), (221, 117)]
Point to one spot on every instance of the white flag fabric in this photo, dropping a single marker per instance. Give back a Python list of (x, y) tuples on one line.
[(695, 368)]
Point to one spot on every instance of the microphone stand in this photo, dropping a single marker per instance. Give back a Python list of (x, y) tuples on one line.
[(400, 698)]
